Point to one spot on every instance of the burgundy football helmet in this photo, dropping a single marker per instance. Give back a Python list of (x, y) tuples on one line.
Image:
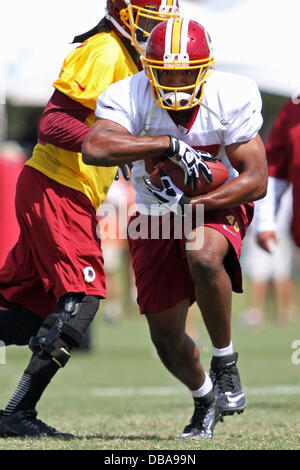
[(178, 44), (135, 19)]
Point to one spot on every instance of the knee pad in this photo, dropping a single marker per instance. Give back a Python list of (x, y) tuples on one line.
[(65, 328)]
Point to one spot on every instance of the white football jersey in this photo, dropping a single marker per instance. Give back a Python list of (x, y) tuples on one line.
[(230, 112)]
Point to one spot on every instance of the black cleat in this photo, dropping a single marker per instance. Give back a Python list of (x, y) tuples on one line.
[(23, 423), (204, 419), (227, 385), (2, 432)]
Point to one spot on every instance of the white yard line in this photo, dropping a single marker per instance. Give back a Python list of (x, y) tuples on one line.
[(288, 389)]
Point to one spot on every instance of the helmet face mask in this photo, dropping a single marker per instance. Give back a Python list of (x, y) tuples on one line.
[(179, 97), (136, 18), (178, 47)]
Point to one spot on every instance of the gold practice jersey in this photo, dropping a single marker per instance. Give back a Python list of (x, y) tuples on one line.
[(86, 72)]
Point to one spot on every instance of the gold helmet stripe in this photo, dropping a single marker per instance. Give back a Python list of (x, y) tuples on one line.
[(176, 36)]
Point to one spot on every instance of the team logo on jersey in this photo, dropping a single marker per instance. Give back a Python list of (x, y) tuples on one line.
[(89, 274), (82, 88)]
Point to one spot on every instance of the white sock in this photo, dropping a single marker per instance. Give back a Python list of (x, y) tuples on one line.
[(204, 389), (223, 351)]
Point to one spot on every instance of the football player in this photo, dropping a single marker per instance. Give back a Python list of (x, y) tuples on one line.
[(53, 278), (177, 108), (283, 155)]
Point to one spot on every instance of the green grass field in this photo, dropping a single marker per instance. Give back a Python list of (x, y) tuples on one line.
[(120, 397)]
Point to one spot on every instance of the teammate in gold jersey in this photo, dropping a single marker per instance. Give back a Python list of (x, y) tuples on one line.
[(53, 279)]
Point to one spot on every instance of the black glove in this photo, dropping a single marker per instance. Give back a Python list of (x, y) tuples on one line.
[(191, 161), (125, 172), (169, 195)]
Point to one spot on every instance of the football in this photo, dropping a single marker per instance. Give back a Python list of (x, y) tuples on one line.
[(176, 173)]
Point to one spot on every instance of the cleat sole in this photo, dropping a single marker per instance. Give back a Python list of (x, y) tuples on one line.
[(231, 412)]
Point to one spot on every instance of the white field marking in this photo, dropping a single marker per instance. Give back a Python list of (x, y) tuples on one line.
[(133, 391), (2, 353), (288, 389)]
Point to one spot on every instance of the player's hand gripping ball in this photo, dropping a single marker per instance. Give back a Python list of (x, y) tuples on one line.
[(176, 173)]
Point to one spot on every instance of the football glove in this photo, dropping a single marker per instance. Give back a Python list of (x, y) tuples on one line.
[(125, 170), (191, 161), (169, 196)]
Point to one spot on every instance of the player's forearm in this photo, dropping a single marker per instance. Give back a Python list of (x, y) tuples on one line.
[(241, 190), (111, 149), (62, 130), (63, 123), (266, 209)]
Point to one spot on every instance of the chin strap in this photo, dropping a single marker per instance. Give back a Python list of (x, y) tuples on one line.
[(169, 98), (118, 26), (222, 121), (146, 128)]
